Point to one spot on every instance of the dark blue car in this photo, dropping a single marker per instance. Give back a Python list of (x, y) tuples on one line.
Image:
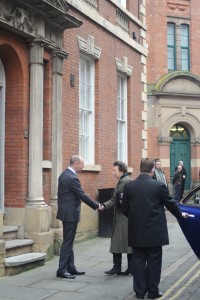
[(191, 225)]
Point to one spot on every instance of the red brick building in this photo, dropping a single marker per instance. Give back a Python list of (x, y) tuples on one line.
[(173, 78), (72, 80)]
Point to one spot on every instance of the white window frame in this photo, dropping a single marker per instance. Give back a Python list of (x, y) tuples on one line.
[(86, 109), (122, 118), (122, 3)]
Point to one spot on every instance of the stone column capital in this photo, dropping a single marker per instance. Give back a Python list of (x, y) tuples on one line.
[(58, 58), (36, 51)]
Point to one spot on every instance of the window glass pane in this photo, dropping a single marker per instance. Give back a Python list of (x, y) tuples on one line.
[(170, 35), (118, 108), (118, 86), (171, 46), (88, 72), (122, 118), (185, 47), (184, 59), (88, 97), (86, 109), (171, 65), (122, 109), (82, 94), (184, 41), (184, 54), (82, 70), (184, 36)]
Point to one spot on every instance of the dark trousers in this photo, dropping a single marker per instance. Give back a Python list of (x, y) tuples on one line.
[(147, 264), (177, 195), (66, 261), (182, 188)]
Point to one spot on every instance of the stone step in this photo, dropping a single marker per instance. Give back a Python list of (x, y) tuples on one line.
[(20, 263), (10, 232), (18, 247)]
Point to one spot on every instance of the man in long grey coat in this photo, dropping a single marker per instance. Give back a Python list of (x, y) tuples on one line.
[(143, 203), (119, 239)]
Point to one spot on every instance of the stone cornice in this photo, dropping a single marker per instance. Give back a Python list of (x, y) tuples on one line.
[(22, 16)]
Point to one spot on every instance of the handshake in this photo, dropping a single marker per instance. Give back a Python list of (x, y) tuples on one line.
[(101, 207)]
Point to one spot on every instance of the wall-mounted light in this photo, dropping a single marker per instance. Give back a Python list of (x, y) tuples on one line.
[(134, 35), (72, 80)]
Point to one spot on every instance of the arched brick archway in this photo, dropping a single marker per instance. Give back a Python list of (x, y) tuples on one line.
[(15, 123)]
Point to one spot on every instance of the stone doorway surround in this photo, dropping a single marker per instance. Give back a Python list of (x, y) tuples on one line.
[(175, 98)]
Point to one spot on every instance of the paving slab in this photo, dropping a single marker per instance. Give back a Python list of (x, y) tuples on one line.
[(179, 280)]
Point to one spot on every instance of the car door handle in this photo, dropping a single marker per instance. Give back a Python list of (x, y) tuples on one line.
[(191, 216)]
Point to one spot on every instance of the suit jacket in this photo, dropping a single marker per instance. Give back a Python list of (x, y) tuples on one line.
[(143, 204), (70, 194)]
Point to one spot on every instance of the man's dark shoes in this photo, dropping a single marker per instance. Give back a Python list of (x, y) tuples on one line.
[(139, 297), (127, 272), (75, 272), (113, 271), (66, 275), (155, 296)]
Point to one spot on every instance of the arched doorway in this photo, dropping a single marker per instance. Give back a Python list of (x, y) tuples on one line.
[(180, 150), (2, 134)]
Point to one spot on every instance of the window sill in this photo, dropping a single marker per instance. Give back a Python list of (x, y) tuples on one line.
[(130, 170), (92, 168), (46, 164)]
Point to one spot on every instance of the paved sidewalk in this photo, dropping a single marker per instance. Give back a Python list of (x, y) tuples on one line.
[(180, 274)]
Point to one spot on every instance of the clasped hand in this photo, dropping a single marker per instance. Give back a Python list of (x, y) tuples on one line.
[(101, 207)]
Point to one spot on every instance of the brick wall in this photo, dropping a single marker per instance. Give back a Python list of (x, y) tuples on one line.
[(105, 104)]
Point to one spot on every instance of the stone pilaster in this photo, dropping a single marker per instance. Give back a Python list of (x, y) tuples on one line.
[(57, 73), (35, 188)]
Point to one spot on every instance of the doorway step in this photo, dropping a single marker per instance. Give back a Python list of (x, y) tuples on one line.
[(19, 256)]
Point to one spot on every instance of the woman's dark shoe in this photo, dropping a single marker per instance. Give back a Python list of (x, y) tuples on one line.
[(113, 271), (127, 272), (156, 296)]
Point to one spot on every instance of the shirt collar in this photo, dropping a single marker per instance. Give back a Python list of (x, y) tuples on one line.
[(72, 170)]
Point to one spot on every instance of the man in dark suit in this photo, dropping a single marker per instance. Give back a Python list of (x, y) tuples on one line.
[(70, 194), (143, 203)]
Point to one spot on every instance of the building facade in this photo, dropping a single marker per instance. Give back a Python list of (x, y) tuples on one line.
[(174, 85), (72, 81)]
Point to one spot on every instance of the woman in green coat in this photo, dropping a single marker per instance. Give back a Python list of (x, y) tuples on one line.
[(119, 239)]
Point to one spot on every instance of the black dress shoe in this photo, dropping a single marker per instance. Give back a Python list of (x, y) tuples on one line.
[(139, 296), (127, 272), (155, 296), (77, 273), (66, 275)]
